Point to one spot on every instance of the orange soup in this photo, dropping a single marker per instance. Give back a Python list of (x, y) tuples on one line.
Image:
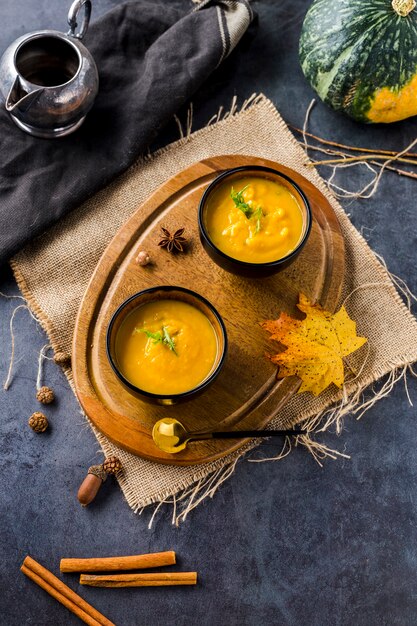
[(256, 220), (166, 347)]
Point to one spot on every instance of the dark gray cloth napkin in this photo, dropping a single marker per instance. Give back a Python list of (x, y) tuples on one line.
[(151, 59)]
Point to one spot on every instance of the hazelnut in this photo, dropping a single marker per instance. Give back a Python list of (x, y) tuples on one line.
[(143, 258)]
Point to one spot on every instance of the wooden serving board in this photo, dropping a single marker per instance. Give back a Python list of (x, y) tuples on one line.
[(246, 395)]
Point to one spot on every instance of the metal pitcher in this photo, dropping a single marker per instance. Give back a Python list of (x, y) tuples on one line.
[(48, 79)]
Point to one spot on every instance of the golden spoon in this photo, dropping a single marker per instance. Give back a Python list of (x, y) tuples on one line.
[(172, 437)]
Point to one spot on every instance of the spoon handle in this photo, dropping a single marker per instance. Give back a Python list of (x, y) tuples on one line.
[(241, 434)]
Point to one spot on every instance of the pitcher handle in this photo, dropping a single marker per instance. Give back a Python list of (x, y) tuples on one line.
[(75, 8)]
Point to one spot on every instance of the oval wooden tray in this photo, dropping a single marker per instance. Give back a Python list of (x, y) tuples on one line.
[(246, 395)]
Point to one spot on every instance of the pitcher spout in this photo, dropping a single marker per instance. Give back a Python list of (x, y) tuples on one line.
[(20, 98)]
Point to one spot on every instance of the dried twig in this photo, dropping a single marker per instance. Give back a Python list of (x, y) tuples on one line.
[(396, 170), (330, 151), (365, 157), (327, 142), (344, 160)]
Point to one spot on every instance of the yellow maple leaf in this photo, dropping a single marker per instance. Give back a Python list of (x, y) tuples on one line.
[(315, 345)]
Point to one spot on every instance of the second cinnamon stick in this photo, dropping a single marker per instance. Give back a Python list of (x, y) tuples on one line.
[(117, 563), (139, 580)]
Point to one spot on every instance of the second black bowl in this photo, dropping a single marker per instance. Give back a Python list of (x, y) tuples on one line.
[(243, 268), (167, 293)]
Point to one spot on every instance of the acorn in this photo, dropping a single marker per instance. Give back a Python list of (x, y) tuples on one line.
[(45, 395), (91, 484), (96, 476), (38, 422)]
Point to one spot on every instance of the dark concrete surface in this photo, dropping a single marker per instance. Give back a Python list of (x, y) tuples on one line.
[(286, 543)]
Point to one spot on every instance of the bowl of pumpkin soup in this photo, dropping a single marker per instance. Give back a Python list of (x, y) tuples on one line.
[(253, 220), (166, 344)]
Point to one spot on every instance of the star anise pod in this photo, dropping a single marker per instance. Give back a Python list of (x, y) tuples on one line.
[(173, 242)]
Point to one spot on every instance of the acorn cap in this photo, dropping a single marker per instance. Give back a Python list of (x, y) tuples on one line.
[(45, 395), (38, 422), (98, 471), (112, 465)]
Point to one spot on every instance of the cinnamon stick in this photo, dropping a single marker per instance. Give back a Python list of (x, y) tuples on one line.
[(116, 563), (139, 580), (63, 594)]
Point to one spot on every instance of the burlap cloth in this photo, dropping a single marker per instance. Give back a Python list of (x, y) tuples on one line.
[(54, 270)]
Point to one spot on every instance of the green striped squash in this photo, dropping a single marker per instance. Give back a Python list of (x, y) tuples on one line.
[(360, 56)]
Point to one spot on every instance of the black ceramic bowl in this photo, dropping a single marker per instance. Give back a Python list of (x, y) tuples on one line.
[(243, 268), (167, 293)]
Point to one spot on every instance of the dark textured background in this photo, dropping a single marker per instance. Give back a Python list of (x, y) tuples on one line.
[(286, 543)]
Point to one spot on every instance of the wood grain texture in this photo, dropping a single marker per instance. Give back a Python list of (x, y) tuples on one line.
[(246, 394)]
